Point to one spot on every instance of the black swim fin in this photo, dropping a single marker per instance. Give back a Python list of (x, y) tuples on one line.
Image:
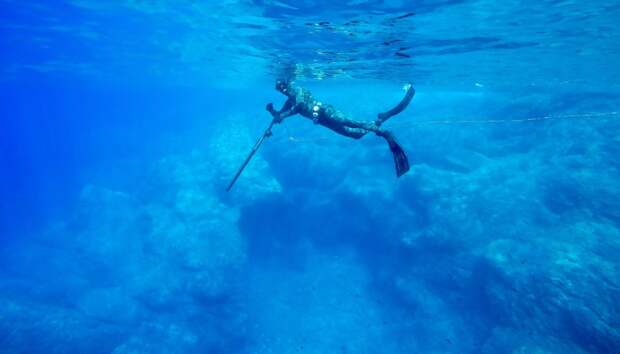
[(400, 157), (382, 117)]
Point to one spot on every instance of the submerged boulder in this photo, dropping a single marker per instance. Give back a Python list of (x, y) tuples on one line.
[(556, 286), (161, 338), (36, 327), (113, 305)]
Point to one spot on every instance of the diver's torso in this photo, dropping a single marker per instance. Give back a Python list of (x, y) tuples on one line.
[(314, 109)]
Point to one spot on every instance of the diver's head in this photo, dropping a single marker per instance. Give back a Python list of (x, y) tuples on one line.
[(284, 86)]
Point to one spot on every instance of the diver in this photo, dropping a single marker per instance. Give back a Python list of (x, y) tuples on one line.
[(300, 101)]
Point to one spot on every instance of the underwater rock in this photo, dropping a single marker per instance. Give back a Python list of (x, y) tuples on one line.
[(160, 288), (322, 308), (109, 228), (170, 254), (190, 258), (30, 271), (113, 305), (488, 239), (438, 329), (582, 195), (514, 341), (211, 287), (308, 166), (49, 329), (161, 338), (195, 244), (194, 329), (549, 285), (183, 182)]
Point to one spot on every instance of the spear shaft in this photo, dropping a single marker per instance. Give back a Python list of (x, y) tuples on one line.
[(265, 135)]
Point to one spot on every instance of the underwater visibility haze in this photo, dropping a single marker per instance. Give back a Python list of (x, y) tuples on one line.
[(123, 122)]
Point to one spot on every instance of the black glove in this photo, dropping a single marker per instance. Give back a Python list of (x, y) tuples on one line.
[(276, 116)]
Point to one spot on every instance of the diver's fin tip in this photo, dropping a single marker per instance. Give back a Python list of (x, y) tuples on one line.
[(401, 162)]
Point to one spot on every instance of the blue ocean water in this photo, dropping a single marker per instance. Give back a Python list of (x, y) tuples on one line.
[(123, 122)]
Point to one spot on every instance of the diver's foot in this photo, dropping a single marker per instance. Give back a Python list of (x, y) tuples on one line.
[(373, 127), (384, 134)]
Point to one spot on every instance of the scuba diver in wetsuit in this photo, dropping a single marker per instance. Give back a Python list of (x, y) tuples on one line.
[(300, 101)]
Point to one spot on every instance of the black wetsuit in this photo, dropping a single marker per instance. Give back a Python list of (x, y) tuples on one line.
[(300, 101)]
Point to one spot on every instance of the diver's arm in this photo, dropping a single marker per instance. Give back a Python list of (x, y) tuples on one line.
[(287, 106), (288, 109)]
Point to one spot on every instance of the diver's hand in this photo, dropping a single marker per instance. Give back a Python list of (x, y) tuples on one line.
[(277, 118)]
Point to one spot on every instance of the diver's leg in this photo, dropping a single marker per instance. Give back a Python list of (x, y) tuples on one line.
[(356, 130), (349, 132), (355, 133), (382, 117), (338, 126), (343, 125), (358, 125)]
